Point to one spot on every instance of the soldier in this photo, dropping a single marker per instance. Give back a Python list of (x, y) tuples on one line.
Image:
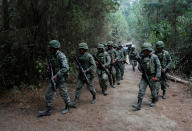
[(128, 51), (121, 59), (165, 60), (117, 64), (88, 63), (105, 60), (133, 57), (61, 69), (151, 65), (113, 55)]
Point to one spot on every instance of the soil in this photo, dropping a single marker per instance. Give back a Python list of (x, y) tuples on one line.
[(114, 112)]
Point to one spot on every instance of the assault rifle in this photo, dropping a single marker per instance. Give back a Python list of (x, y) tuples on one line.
[(82, 71), (144, 73), (53, 83), (101, 65)]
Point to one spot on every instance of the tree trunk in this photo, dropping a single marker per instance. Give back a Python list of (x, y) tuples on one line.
[(5, 8)]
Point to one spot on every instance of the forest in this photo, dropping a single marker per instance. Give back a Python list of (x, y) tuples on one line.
[(26, 27)]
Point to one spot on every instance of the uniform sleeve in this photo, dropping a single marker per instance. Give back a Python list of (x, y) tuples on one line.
[(64, 67), (108, 60), (168, 66), (158, 67), (92, 63), (116, 55), (125, 54), (121, 56)]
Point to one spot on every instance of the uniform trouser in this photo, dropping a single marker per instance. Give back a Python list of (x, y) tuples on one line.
[(162, 83), (134, 63), (113, 74), (80, 84), (62, 90), (123, 69), (103, 81), (118, 73), (142, 88)]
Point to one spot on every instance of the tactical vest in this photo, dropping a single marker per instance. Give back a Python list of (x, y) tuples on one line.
[(112, 54), (162, 58), (149, 64)]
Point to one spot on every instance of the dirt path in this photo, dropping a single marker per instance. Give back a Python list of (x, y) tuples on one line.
[(111, 113)]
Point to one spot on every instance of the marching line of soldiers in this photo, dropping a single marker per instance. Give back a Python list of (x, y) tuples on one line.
[(154, 66), (109, 62)]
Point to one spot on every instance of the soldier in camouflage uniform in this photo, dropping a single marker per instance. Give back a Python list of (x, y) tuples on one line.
[(61, 69), (133, 57), (113, 55), (165, 60), (121, 59), (88, 63), (105, 59), (152, 66), (117, 64)]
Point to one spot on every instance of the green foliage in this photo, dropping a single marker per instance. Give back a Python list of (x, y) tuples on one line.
[(169, 21), (33, 23)]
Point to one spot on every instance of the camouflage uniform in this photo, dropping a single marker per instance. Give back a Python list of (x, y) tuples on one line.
[(105, 59), (121, 59), (113, 55), (117, 64), (124, 60), (165, 60), (133, 56), (153, 69), (60, 69), (88, 63)]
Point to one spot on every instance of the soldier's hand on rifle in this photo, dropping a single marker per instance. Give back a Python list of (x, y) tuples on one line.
[(85, 71), (163, 70), (103, 66), (113, 62), (55, 77), (97, 63), (155, 79), (139, 68)]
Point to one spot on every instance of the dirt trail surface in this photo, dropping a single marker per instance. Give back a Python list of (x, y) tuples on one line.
[(110, 113)]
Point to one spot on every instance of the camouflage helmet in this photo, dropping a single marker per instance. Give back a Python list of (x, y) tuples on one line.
[(146, 46), (54, 43), (159, 44), (109, 43), (115, 46), (83, 46), (100, 46)]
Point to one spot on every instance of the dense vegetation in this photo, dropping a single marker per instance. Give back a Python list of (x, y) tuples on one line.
[(166, 20), (26, 26)]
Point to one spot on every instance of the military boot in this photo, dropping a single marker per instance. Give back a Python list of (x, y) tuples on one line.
[(112, 86), (138, 105), (74, 103), (164, 95), (66, 109), (46, 112), (118, 83), (133, 68), (105, 93), (153, 102), (94, 99)]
